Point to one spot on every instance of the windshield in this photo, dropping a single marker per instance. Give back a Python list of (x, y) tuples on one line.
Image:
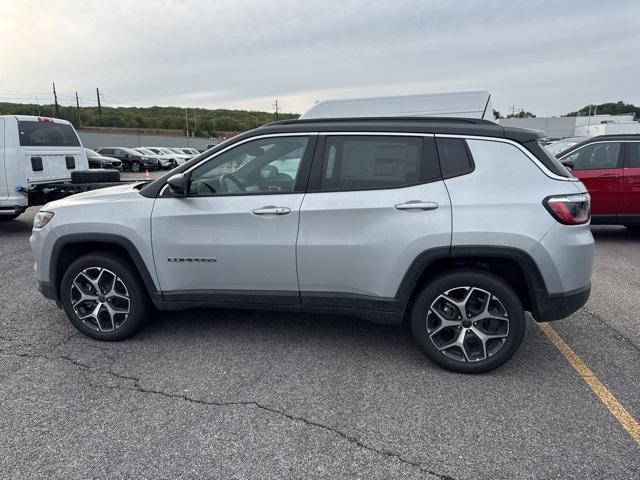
[(177, 150), (167, 150), (91, 153), (146, 151), (560, 146)]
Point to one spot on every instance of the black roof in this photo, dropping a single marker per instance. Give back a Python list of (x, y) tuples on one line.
[(455, 126)]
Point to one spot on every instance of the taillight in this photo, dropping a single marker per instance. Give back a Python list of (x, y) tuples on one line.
[(569, 209)]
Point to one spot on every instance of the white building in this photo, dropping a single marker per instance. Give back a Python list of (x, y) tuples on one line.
[(563, 127)]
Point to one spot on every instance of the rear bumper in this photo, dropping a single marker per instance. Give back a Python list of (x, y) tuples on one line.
[(12, 210), (560, 305)]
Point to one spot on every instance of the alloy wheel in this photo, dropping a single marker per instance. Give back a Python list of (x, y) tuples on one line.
[(467, 324), (100, 299)]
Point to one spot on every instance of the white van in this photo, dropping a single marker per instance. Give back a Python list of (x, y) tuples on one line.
[(474, 104), (35, 153)]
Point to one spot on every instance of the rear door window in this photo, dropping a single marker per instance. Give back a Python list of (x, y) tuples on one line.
[(373, 162), (47, 134)]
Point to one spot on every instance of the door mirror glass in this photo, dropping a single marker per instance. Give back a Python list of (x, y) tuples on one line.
[(177, 185)]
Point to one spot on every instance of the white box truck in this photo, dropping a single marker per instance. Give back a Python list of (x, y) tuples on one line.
[(474, 104), (42, 159)]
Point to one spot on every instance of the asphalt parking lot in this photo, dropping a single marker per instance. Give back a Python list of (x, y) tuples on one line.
[(240, 394)]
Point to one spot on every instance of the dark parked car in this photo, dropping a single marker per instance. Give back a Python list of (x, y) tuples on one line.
[(99, 161), (131, 160)]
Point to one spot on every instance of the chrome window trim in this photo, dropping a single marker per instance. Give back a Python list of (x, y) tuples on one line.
[(526, 152)]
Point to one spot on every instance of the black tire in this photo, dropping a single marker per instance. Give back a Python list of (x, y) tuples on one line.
[(95, 176), (507, 299), (139, 304), (135, 166)]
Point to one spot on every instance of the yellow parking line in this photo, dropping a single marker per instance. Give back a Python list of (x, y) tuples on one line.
[(615, 407)]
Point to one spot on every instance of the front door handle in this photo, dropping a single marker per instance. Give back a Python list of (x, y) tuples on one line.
[(609, 175), (417, 205), (271, 211)]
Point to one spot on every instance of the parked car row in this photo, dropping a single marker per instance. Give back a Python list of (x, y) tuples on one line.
[(139, 158)]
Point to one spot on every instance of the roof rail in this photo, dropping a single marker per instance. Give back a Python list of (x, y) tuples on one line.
[(474, 121)]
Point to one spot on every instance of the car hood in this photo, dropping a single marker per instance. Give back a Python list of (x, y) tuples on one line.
[(100, 195)]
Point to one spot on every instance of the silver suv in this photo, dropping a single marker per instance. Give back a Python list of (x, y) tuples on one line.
[(457, 226)]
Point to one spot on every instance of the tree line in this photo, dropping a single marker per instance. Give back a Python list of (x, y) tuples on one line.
[(610, 108), (203, 122)]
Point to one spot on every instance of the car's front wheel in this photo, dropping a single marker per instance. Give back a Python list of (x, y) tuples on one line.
[(104, 297), (468, 321), (135, 166)]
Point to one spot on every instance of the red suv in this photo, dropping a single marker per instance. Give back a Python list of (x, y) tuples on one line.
[(609, 166)]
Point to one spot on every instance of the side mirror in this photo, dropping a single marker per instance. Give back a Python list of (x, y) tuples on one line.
[(568, 164), (178, 184)]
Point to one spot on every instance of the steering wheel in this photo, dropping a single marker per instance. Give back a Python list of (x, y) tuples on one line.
[(227, 179)]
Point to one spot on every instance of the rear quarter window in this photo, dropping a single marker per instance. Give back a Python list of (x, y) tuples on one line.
[(47, 134), (455, 157)]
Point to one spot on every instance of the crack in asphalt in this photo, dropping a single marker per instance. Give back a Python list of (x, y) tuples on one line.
[(606, 324), (137, 387)]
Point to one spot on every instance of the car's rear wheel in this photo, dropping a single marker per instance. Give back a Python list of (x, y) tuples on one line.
[(135, 166), (104, 297), (468, 321)]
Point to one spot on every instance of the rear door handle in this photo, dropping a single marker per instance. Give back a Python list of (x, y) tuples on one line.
[(417, 205), (609, 175), (271, 211)]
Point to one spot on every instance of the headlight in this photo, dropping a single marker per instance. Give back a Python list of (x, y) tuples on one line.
[(41, 219)]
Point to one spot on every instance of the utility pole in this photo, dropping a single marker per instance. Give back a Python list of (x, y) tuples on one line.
[(38, 103), (55, 100), (78, 108), (186, 116), (589, 121), (195, 124), (275, 109), (99, 106)]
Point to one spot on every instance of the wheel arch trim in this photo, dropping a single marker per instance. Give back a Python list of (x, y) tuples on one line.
[(535, 283), (101, 238)]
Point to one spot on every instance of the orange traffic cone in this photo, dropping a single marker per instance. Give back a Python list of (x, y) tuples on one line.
[(146, 174)]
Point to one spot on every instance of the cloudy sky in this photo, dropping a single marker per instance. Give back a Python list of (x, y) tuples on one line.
[(549, 57)]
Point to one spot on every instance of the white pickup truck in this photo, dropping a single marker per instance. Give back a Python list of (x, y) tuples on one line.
[(42, 159)]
